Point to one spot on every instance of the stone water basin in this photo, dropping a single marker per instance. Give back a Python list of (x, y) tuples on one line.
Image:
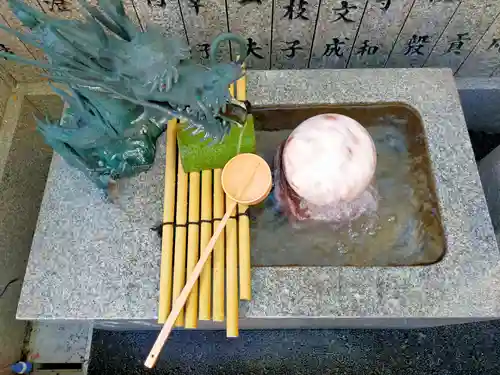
[(406, 229), (99, 261)]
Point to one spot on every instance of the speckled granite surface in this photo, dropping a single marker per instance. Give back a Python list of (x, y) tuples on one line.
[(94, 260)]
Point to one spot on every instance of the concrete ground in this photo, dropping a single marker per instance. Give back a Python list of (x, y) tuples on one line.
[(450, 350)]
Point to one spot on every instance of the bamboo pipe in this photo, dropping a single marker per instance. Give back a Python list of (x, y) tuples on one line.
[(179, 302), (244, 225), (167, 242), (241, 88), (180, 236), (193, 244), (205, 301), (244, 253), (252, 191), (232, 301), (219, 250)]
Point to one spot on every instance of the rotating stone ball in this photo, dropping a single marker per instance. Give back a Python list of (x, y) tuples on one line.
[(328, 164)]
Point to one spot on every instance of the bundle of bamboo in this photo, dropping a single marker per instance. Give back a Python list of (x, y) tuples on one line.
[(188, 229)]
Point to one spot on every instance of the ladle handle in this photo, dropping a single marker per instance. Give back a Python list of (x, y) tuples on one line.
[(181, 300)]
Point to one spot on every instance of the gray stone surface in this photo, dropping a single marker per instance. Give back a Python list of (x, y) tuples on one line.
[(334, 35), (489, 171), (50, 106), (106, 251), (50, 342), (14, 23), (479, 98), (485, 58), (426, 20), (203, 23), (253, 19), (293, 29), (5, 89), (91, 259), (71, 9), (165, 14), (24, 164), (378, 31), (21, 73), (463, 32)]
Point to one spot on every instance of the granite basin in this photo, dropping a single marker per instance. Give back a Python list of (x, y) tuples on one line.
[(94, 260), (406, 229)]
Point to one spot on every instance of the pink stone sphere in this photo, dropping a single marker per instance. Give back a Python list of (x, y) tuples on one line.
[(328, 159)]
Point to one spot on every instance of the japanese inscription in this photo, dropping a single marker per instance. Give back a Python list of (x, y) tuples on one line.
[(253, 49), (5, 49), (384, 4), (336, 48), (204, 48), (292, 48), (343, 11), (415, 44), (57, 5), (366, 49), (158, 3), (245, 2), (495, 44), (456, 45), (196, 5), (296, 10)]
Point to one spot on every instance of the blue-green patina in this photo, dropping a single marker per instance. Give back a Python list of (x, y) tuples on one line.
[(124, 84)]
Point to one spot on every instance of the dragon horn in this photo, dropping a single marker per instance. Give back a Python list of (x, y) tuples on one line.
[(242, 47)]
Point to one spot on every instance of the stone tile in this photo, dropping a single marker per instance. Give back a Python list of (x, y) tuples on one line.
[(425, 23), (336, 29), (131, 11), (293, 30), (379, 29), (71, 9), (48, 105), (5, 91), (496, 73), (465, 29), (20, 72), (22, 183), (62, 9), (12, 21), (51, 342), (205, 20), (485, 58), (6, 76), (11, 330), (164, 13), (252, 20), (489, 171)]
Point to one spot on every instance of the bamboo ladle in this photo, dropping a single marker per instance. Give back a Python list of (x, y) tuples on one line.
[(246, 179)]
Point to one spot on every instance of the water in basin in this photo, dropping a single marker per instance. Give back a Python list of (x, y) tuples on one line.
[(405, 230)]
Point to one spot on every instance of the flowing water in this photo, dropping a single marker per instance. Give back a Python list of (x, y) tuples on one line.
[(405, 229)]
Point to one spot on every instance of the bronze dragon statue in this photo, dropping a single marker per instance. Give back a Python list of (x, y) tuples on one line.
[(123, 85)]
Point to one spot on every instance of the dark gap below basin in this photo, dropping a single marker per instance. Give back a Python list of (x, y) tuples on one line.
[(460, 349), (483, 143), (408, 229)]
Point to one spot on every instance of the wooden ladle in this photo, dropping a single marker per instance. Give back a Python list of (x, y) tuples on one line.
[(247, 180)]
